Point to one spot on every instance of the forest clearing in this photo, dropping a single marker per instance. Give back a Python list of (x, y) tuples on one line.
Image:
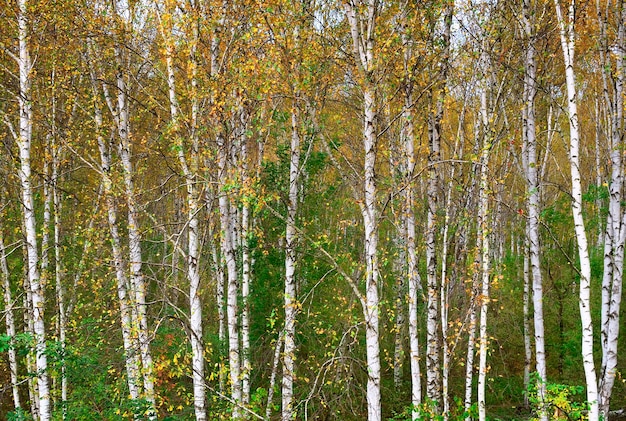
[(312, 210)]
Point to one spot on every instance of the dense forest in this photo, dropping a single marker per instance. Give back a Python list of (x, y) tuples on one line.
[(312, 209)]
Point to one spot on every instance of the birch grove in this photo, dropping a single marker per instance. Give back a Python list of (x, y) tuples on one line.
[(337, 210)]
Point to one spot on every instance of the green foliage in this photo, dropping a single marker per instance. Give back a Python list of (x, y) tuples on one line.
[(19, 415), (428, 411), (561, 401), (22, 343)]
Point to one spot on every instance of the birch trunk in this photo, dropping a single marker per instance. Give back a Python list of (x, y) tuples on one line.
[(408, 229), (598, 170), (228, 253), (445, 288), (31, 363), (246, 366), (399, 305), (362, 29), (433, 345), (137, 281), (615, 229), (433, 339), (483, 233), (24, 171), (9, 318), (414, 280), (370, 218), (220, 259), (291, 299), (532, 202), (567, 35), (189, 166), (129, 340), (221, 314), (527, 342), (471, 337)]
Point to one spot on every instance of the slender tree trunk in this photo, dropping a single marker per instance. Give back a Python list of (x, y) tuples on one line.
[(444, 295), (433, 346), (408, 219), (189, 166), (533, 205), (137, 281), (414, 280), (567, 35), (291, 299), (615, 229), (471, 338), (24, 144), (370, 218), (362, 29), (598, 170), (228, 236), (221, 314), (433, 339), (483, 233), (9, 318), (527, 333), (31, 364), (130, 342), (246, 365)]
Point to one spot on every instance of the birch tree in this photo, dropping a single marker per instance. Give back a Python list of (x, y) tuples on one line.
[(361, 18), (613, 94), (568, 35), (120, 110), (531, 168), (24, 140), (9, 313), (130, 341), (408, 209), (188, 157)]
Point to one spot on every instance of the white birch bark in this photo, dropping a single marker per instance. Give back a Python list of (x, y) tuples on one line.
[(130, 343), (527, 333), (399, 305), (444, 292), (567, 35), (137, 281), (228, 254), (433, 339), (407, 139), (362, 19), (220, 259), (31, 367), (47, 215), (598, 170), (246, 365), (471, 339), (414, 281), (24, 171), (483, 233), (189, 167), (221, 314), (290, 296), (9, 318), (531, 166), (615, 229)]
